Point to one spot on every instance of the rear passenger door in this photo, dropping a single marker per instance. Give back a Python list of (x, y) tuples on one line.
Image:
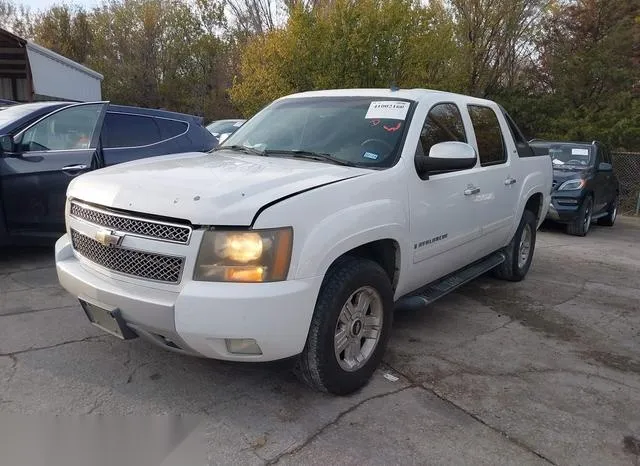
[(499, 189), (126, 137)]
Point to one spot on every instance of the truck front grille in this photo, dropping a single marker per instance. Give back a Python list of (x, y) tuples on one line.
[(139, 264), (129, 224)]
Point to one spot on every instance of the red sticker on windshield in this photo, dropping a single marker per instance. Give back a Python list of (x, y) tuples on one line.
[(391, 129)]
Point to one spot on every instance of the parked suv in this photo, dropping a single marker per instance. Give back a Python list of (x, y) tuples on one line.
[(43, 146), (306, 226), (585, 187)]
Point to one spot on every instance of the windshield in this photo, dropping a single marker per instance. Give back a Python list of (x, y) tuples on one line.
[(224, 126), (363, 131), (572, 155)]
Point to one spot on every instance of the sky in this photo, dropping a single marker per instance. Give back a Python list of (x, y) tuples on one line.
[(44, 4)]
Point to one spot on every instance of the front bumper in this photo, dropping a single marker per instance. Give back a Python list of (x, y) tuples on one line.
[(199, 316), (564, 209)]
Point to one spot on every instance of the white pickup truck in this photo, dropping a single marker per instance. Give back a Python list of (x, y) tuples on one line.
[(297, 236)]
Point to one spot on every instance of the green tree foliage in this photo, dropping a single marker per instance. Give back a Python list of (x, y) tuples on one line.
[(563, 68), (365, 43), (152, 53), (589, 71)]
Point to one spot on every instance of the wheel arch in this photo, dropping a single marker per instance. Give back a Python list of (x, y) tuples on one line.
[(385, 252)]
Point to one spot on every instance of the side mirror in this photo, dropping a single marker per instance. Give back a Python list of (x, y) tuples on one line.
[(447, 156), (605, 167), (7, 144)]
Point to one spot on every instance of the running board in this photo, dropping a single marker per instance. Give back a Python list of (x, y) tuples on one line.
[(446, 285)]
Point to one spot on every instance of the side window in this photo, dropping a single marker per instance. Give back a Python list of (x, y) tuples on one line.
[(488, 135), (522, 146), (123, 130), (170, 128), (443, 123), (70, 128)]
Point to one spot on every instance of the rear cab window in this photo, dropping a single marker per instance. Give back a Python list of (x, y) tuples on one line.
[(489, 138)]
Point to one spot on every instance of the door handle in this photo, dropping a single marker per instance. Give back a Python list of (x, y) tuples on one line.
[(509, 181), (70, 169), (471, 190)]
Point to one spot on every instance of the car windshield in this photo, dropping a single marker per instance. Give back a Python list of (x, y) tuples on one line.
[(224, 126), (363, 131), (572, 155)]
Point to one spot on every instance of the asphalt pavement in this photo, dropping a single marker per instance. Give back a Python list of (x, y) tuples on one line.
[(546, 371)]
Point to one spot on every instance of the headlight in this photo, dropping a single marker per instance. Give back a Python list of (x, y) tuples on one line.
[(244, 256), (578, 183)]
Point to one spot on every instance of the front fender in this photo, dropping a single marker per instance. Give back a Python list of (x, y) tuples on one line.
[(331, 220), (347, 229)]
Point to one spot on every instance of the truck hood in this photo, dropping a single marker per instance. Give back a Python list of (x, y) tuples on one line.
[(221, 188)]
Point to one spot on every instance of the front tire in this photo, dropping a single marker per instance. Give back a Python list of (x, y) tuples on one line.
[(349, 329), (519, 252), (580, 226)]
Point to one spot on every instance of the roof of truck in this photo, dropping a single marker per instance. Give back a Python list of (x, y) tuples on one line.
[(410, 94)]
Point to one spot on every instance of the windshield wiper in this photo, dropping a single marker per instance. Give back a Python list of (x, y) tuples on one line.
[(241, 148), (306, 154)]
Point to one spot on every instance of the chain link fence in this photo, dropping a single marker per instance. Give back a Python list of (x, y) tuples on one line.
[(627, 168)]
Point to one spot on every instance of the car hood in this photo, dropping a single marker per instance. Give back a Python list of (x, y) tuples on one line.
[(565, 174), (221, 188)]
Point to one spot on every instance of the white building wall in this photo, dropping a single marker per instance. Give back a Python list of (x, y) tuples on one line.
[(58, 77)]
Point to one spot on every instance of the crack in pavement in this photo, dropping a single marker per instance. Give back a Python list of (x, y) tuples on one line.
[(332, 423), (97, 404), (32, 311), (13, 369), (467, 370), (41, 348), (475, 417)]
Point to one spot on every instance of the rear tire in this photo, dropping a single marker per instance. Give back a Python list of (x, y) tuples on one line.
[(580, 226), (520, 250), (349, 329), (611, 216)]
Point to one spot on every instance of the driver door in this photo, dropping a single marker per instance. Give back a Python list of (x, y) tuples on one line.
[(47, 155)]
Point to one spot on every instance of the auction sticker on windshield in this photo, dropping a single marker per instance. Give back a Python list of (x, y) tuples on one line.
[(579, 151), (387, 109)]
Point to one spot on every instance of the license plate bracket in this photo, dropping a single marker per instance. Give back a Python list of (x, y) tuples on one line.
[(108, 320)]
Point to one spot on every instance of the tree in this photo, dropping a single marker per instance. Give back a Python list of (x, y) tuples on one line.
[(16, 18), (66, 30), (588, 67), (495, 41), (366, 43)]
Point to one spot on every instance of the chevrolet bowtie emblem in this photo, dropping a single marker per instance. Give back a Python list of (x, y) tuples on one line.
[(108, 238)]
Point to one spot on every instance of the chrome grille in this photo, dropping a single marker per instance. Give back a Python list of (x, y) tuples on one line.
[(127, 261), (127, 224)]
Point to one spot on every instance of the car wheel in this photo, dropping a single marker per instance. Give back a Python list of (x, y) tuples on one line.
[(349, 329), (612, 213), (580, 226), (519, 252)]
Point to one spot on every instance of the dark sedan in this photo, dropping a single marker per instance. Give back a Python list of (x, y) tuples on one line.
[(43, 146)]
